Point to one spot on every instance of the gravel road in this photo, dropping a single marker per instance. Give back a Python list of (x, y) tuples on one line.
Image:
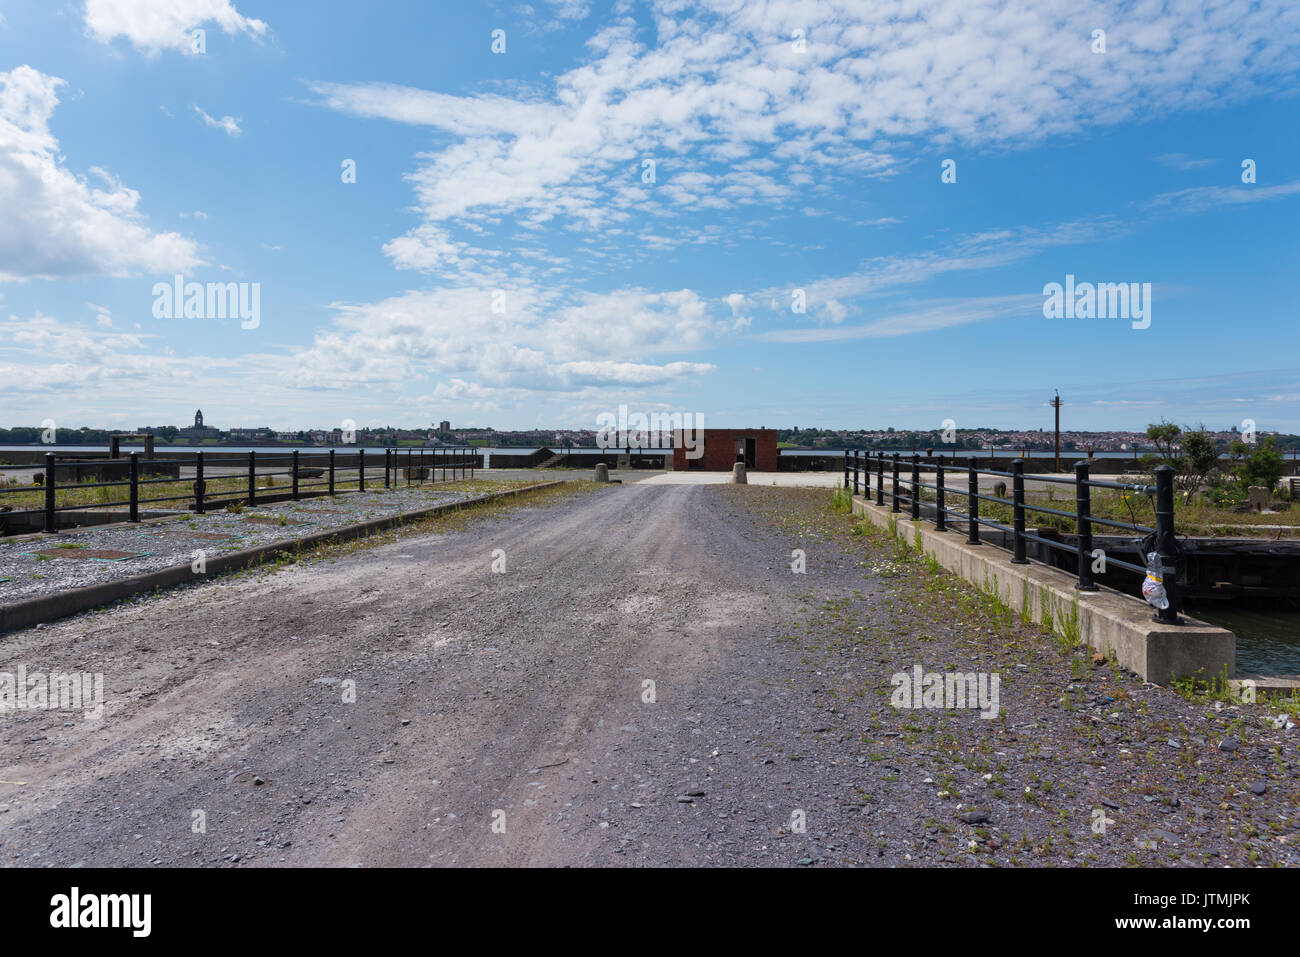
[(503, 718)]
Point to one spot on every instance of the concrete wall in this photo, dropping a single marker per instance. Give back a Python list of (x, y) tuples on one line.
[(1106, 620)]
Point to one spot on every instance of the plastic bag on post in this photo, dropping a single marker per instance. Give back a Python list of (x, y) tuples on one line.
[(1153, 586)]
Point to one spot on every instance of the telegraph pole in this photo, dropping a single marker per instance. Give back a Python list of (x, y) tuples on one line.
[(1056, 404)]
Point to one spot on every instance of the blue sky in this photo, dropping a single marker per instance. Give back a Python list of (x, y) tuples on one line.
[(501, 258)]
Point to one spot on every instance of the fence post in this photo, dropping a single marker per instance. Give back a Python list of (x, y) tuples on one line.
[(361, 470), (135, 487), (846, 468), (973, 500), (388, 455), (331, 473), (857, 467), (894, 476), (1018, 510), (252, 478), (199, 487), (294, 466), (916, 486), (1083, 511), (880, 479), (940, 523), (49, 493), (1165, 544)]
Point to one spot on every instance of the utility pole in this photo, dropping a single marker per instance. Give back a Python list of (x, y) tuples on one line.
[(1056, 404)]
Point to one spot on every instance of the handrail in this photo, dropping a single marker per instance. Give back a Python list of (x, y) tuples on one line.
[(861, 468), (330, 467)]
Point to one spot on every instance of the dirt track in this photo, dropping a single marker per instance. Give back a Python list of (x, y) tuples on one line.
[(521, 692)]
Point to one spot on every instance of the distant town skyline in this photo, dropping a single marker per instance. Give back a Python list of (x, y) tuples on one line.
[(770, 214)]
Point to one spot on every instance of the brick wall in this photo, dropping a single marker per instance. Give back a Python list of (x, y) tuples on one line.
[(720, 450)]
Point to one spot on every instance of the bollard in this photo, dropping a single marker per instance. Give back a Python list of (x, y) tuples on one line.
[(199, 487), (1018, 510), (294, 466), (134, 505), (894, 477), (1083, 511), (49, 493), (973, 500), (252, 478), (940, 522), (916, 486), (1166, 545)]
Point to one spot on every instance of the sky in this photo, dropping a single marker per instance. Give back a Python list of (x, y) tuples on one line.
[(772, 213)]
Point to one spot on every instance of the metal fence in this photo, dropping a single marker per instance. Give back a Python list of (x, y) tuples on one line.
[(221, 478), (865, 471)]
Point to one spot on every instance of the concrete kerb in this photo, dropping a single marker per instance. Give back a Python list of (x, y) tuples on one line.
[(1107, 620), (31, 611)]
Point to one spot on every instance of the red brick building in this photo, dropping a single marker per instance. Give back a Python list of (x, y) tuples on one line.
[(724, 447)]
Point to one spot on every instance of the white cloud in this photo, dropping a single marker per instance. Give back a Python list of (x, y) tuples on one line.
[(1181, 161), (733, 115), (59, 224), (156, 25), (230, 124), (1200, 198), (538, 344), (934, 316)]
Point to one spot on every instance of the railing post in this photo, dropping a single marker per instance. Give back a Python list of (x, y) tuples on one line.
[(880, 479), (294, 466), (894, 476), (49, 493), (199, 487), (857, 467), (846, 468), (1083, 513), (252, 478), (331, 473), (973, 500), (135, 487), (916, 486), (361, 470), (388, 456), (1165, 544), (1018, 510), (940, 519)]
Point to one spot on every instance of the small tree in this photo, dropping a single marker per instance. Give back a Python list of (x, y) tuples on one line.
[(1263, 464), (1163, 435), (1200, 458)]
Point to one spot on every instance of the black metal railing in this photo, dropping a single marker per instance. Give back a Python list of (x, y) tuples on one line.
[(221, 478), (861, 468)]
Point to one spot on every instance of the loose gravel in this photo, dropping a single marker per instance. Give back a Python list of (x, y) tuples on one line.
[(629, 675), (163, 543)]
